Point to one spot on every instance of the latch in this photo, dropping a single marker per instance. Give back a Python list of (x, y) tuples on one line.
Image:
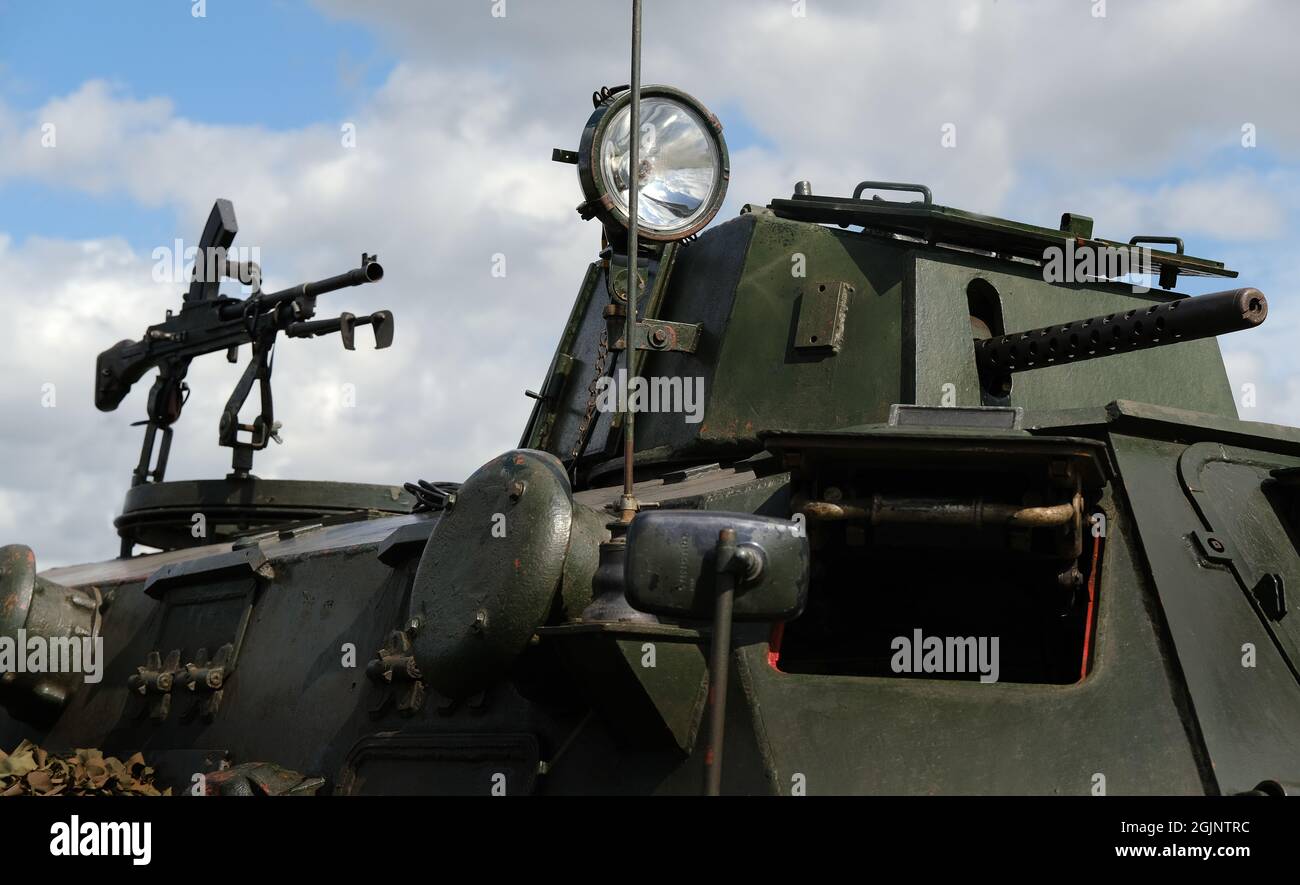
[(153, 683), (395, 671), (206, 678)]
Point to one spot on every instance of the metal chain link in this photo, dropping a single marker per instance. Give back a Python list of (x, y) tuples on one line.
[(593, 392)]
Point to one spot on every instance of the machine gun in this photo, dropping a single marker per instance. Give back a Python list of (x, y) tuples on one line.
[(1184, 319), (208, 322)]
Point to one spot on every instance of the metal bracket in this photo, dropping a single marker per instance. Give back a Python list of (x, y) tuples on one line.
[(972, 417), (206, 604), (404, 542), (1214, 547), (1076, 224), (248, 562), (822, 312), (154, 682), (395, 671), (206, 678), (1270, 592), (662, 335)]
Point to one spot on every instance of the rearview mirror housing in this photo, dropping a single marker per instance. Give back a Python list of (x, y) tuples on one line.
[(671, 565)]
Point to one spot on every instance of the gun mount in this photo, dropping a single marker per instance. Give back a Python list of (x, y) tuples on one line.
[(209, 322)]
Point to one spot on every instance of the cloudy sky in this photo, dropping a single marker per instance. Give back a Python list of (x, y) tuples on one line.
[(1135, 117)]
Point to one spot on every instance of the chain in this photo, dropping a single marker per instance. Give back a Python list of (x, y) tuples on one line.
[(593, 392)]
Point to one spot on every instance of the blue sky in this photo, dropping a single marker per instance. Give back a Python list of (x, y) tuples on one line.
[(282, 65), (278, 64)]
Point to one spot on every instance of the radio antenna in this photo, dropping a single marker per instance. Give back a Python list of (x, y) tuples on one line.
[(628, 503), (610, 602)]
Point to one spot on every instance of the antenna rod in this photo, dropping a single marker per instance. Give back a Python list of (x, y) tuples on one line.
[(628, 504)]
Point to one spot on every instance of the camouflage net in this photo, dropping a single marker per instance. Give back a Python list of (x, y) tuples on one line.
[(31, 771)]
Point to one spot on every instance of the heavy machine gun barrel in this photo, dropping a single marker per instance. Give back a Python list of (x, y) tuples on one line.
[(1187, 319)]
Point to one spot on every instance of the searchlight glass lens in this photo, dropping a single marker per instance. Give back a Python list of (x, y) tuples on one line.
[(679, 160)]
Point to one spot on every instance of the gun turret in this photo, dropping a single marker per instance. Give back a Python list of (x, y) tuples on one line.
[(1185, 319), (209, 322)]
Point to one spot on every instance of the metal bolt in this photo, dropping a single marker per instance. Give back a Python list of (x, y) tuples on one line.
[(659, 337), (1215, 544)]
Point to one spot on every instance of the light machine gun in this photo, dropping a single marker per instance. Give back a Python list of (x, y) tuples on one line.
[(208, 322)]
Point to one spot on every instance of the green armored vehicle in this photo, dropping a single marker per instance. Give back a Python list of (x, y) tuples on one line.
[(846, 494)]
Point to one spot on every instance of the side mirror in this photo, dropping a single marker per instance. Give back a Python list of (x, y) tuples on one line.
[(673, 561)]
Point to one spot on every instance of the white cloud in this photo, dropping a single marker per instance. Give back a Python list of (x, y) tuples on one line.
[(1262, 393), (1052, 108), (434, 185)]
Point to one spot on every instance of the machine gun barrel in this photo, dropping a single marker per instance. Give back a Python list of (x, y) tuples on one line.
[(1186, 319), (370, 271)]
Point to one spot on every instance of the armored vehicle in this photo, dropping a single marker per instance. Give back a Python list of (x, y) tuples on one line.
[(847, 494)]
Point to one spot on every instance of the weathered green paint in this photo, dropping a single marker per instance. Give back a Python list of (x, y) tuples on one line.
[(1249, 717), (760, 370), (565, 705), (490, 571)]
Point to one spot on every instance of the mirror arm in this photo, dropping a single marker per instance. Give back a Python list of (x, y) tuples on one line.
[(730, 560)]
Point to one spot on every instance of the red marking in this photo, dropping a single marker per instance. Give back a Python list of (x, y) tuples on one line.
[(516, 565), (774, 645), (1092, 601), (708, 756)]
